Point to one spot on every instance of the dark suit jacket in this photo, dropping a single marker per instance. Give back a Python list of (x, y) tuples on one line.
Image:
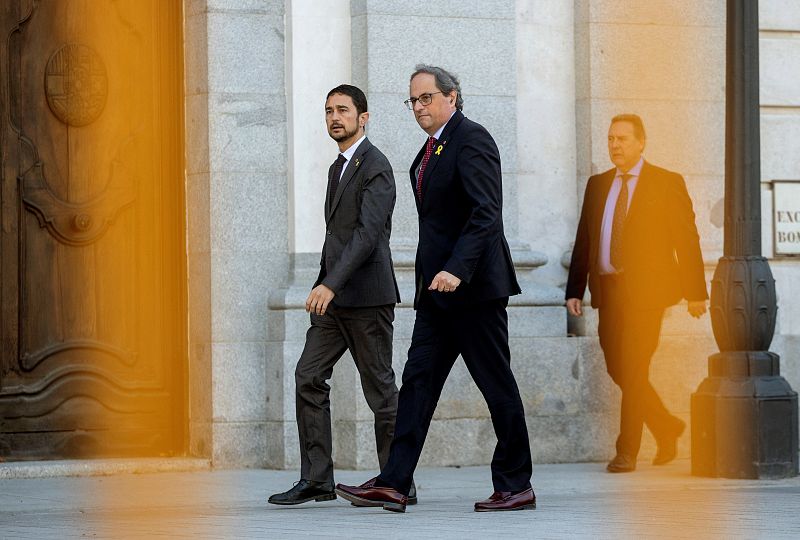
[(661, 255), (356, 261), (461, 217)]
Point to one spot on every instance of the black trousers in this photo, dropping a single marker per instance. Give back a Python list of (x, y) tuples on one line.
[(480, 334), (629, 336), (367, 333)]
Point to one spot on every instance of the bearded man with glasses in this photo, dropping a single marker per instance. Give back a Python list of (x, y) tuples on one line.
[(464, 277)]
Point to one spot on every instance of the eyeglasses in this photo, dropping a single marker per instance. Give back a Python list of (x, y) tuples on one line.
[(424, 99)]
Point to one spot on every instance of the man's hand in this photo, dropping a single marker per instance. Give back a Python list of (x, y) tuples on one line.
[(318, 299), (444, 282), (574, 307), (697, 308)]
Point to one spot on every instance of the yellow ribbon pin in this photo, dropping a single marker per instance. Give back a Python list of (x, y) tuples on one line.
[(439, 150)]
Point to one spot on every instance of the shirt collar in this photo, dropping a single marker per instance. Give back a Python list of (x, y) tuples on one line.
[(635, 170), (438, 134), (348, 154)]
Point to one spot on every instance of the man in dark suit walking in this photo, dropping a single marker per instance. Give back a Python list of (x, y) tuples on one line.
[(464, 276), (352, 301), (638, 244)]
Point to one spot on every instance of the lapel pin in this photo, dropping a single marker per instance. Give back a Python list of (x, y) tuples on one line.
[(357, 161), (439, 149)]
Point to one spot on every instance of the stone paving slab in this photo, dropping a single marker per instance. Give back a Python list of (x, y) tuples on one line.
[(100, 467), (574, 501)]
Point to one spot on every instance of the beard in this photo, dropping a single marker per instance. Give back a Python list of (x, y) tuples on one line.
[(344, 134)]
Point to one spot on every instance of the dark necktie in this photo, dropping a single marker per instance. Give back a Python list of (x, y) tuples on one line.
[(333, 181), (618, 225), (423, 164)]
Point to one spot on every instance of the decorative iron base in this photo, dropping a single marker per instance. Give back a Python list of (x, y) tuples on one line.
[(744, 419)]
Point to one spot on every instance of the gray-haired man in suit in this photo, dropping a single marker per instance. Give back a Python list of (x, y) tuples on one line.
[(352, 301)]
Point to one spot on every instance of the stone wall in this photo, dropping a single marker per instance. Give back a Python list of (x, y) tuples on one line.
[(779, 60), (545, 77)]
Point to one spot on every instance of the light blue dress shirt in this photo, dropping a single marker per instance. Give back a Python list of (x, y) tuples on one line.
[(604, 256)]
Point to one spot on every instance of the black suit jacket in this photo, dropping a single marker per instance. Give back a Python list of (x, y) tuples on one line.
[(661, 255), (356, 261), (461, 217)]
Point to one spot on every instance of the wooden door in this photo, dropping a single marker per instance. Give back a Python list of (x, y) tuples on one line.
[(92, 267)]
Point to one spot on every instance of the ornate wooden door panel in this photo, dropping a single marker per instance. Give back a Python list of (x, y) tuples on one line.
[(91, 244)]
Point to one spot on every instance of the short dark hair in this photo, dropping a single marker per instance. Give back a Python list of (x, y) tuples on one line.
[(638, 126), (355, 93), (446, 82)]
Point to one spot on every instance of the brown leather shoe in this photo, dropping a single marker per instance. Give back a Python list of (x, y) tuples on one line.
[(507, 500), (412, 493), (621, 463), (389, 498), (668, 448)]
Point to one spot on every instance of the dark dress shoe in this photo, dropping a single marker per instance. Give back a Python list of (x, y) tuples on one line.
[(389, 498), (305, 491), (621, 463), (508, 500), (412, 492), (668, 448)]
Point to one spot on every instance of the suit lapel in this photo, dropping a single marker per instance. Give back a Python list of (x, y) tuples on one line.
[(412, 174), (641, 193), (352, 166), (602, 196), (327, 196), (599, 206)]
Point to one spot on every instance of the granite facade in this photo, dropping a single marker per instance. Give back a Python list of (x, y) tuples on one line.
[(237, 207), (545, 77)]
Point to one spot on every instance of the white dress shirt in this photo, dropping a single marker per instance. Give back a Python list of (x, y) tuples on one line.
[(436, 136), (348, 154)]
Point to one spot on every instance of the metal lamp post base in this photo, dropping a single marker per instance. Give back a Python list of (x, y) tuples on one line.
[(744, 419)]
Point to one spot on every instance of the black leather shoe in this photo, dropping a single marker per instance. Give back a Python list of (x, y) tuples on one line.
[(412, 495), (621, 463), (668, 448), (305, 491)]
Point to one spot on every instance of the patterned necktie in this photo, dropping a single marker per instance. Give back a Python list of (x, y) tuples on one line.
[(620, 211), (423, 164), (333, 181)]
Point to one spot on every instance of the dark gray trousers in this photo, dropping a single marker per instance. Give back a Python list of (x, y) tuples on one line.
[(629, 337), (367, 333)]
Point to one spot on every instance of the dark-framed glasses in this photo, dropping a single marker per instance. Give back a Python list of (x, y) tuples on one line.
[(424, 99)]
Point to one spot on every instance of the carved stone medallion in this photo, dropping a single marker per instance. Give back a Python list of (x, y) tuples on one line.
[(76, 84)]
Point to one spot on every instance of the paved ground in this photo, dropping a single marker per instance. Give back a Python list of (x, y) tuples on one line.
[(574, 501)]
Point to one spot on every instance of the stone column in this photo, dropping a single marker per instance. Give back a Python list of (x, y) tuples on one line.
[(317, 59), (237, 218), (545, 44)]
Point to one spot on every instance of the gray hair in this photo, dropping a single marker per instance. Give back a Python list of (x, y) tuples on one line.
[(446, 82)]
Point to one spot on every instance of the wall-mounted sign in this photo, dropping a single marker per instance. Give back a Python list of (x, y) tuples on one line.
[(786, 216)]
